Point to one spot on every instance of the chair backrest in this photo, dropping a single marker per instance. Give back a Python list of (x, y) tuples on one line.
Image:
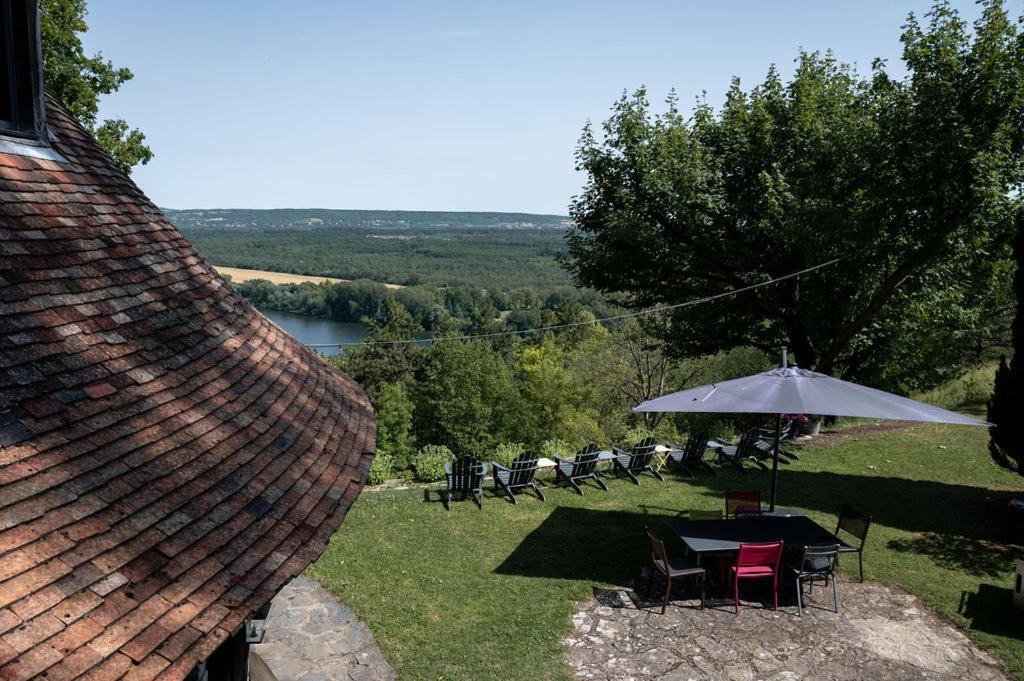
[(767, 554), (695, 446), (742, 501), (854, 521), (646, 442), (747, 446), (589, 449), (584, 463), (467, 473), (522, 469), (640, 457), (658, 552), (819, 558)]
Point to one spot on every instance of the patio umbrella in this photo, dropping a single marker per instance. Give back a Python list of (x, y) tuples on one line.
[(791, 390)]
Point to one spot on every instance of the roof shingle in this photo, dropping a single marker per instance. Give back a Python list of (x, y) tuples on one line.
[(169, 458)]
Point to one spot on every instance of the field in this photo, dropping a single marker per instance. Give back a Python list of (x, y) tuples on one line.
[(491, 259), (239, 276), (487, 595)]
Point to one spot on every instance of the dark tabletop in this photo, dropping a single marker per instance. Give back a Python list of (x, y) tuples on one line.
[(702, 536)]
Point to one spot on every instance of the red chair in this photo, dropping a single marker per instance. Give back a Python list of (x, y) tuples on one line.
[(757, 561), (745, 502)]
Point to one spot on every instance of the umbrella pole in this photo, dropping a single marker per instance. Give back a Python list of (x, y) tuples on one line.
[(775, 457)]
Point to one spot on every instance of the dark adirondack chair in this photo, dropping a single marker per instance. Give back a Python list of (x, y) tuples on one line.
[(745, 450), (579, 469), (855, 523), (691, 456), (517, 476), (637, 460), (765, 443), (465, 477)]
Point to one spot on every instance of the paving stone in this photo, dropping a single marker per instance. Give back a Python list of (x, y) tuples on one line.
[(310, 636), (881, 634)]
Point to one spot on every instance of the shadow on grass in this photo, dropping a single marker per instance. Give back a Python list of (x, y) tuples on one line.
[(991, 610), (585, 544), (973, 556), (926, 506)]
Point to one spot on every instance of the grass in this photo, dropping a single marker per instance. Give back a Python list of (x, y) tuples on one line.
[(487, 595)]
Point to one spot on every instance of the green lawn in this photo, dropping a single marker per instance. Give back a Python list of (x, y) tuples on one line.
[(487, 595)]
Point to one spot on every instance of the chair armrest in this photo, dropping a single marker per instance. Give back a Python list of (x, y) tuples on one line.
[(498, 467), (618, 451), (559, 460)]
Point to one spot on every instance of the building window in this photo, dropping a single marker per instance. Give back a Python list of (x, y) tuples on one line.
[(21, 99)]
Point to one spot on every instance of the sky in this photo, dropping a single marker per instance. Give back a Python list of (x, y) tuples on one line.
[(473, 106)]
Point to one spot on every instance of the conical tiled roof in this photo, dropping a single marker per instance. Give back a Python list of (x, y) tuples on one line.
[(169, 458)]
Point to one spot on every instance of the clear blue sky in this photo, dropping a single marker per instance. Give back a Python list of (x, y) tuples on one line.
[(430, 106)]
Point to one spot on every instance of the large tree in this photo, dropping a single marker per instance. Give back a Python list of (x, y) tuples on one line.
[(78, 80), (1006, 407), (911, 181)]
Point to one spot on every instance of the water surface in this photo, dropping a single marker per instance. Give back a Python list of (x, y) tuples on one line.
[(317, 330)]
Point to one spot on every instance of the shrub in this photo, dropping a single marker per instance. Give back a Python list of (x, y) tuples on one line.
[(506, 452), (394, 423), (382, 468), (553, 448), (429, 463), (635, 434)]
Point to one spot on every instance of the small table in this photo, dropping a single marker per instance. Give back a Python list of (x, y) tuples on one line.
[(711, 536)]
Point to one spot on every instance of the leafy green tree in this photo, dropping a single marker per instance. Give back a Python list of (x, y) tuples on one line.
[(388, 353), (465, 398), (394, 424), (1006, 406), (911, 181), (555, 402), (78, 80)]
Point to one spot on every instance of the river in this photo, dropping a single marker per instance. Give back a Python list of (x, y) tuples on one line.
[(317, 330)]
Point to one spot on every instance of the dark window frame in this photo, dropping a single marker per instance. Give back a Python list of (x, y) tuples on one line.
[(22, 110)]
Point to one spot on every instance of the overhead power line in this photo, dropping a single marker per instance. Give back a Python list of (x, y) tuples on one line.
[(589, 322)]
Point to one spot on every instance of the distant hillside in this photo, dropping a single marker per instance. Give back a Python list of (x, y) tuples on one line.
[(290, 219), (481, 250)]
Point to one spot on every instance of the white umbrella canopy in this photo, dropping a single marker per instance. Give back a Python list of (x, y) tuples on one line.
[(791, 390)]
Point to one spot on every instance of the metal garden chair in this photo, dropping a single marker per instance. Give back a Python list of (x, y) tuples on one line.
[(517, 476), (816, 563), (671, 568), (464, 476), (742, 502), (855, 523), (757, 561)]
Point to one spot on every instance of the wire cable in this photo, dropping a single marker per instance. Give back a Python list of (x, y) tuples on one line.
[(569, 325)]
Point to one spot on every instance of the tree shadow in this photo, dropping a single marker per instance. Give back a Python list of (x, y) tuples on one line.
[(577, 543), (976, 557), (991, 610), (924, 506)]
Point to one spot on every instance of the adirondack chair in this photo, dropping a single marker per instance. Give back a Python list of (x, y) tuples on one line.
[(691, 456), (745, 450), (637, 460), (579, 469), (516, 476), (464, 476), (765, 443)]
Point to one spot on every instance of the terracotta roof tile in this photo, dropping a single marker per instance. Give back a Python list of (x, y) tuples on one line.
[(169, 458)]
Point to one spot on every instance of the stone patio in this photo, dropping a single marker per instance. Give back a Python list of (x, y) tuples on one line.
[(310, 636), (880, 633)]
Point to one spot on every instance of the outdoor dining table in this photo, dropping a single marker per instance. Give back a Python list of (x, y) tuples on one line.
[(795, 530)]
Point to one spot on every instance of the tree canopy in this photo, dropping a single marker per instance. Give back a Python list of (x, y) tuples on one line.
[(911, 181), (78, 80)]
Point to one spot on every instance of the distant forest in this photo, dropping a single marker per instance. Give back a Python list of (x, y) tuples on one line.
[(486, 250)]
